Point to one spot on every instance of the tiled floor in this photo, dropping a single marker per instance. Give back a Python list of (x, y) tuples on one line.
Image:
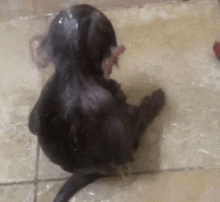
[(168, 46), (12, 9), (191, 186)]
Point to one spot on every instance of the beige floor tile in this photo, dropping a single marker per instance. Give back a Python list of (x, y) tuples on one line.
[(44, 6), (20, 85), (48, 190), (188, 186), (10, 9), (17, 193), (113, 4), (48, 6)]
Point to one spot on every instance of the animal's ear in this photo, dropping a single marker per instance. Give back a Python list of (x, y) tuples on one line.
[(38, 51), (118, 50), (108, 62)]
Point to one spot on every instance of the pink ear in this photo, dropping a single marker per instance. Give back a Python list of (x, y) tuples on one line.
[(108, 62), (116, 51)]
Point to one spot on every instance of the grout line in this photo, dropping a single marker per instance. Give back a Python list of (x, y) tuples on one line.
[(34, 4), (173, 170), (36, 173), (16, 183), (53, 179), (36, 181)]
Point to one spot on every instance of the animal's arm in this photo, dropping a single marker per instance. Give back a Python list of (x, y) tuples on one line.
[(34, 117)]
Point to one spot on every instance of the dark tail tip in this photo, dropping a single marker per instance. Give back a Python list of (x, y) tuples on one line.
[(73, 185)]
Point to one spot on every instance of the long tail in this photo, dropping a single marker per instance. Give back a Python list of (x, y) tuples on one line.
[(74, 184)]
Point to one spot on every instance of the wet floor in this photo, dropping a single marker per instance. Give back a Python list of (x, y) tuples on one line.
[(168, 46)]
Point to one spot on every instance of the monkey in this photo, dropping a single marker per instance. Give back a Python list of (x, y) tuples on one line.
[(81, 118)]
